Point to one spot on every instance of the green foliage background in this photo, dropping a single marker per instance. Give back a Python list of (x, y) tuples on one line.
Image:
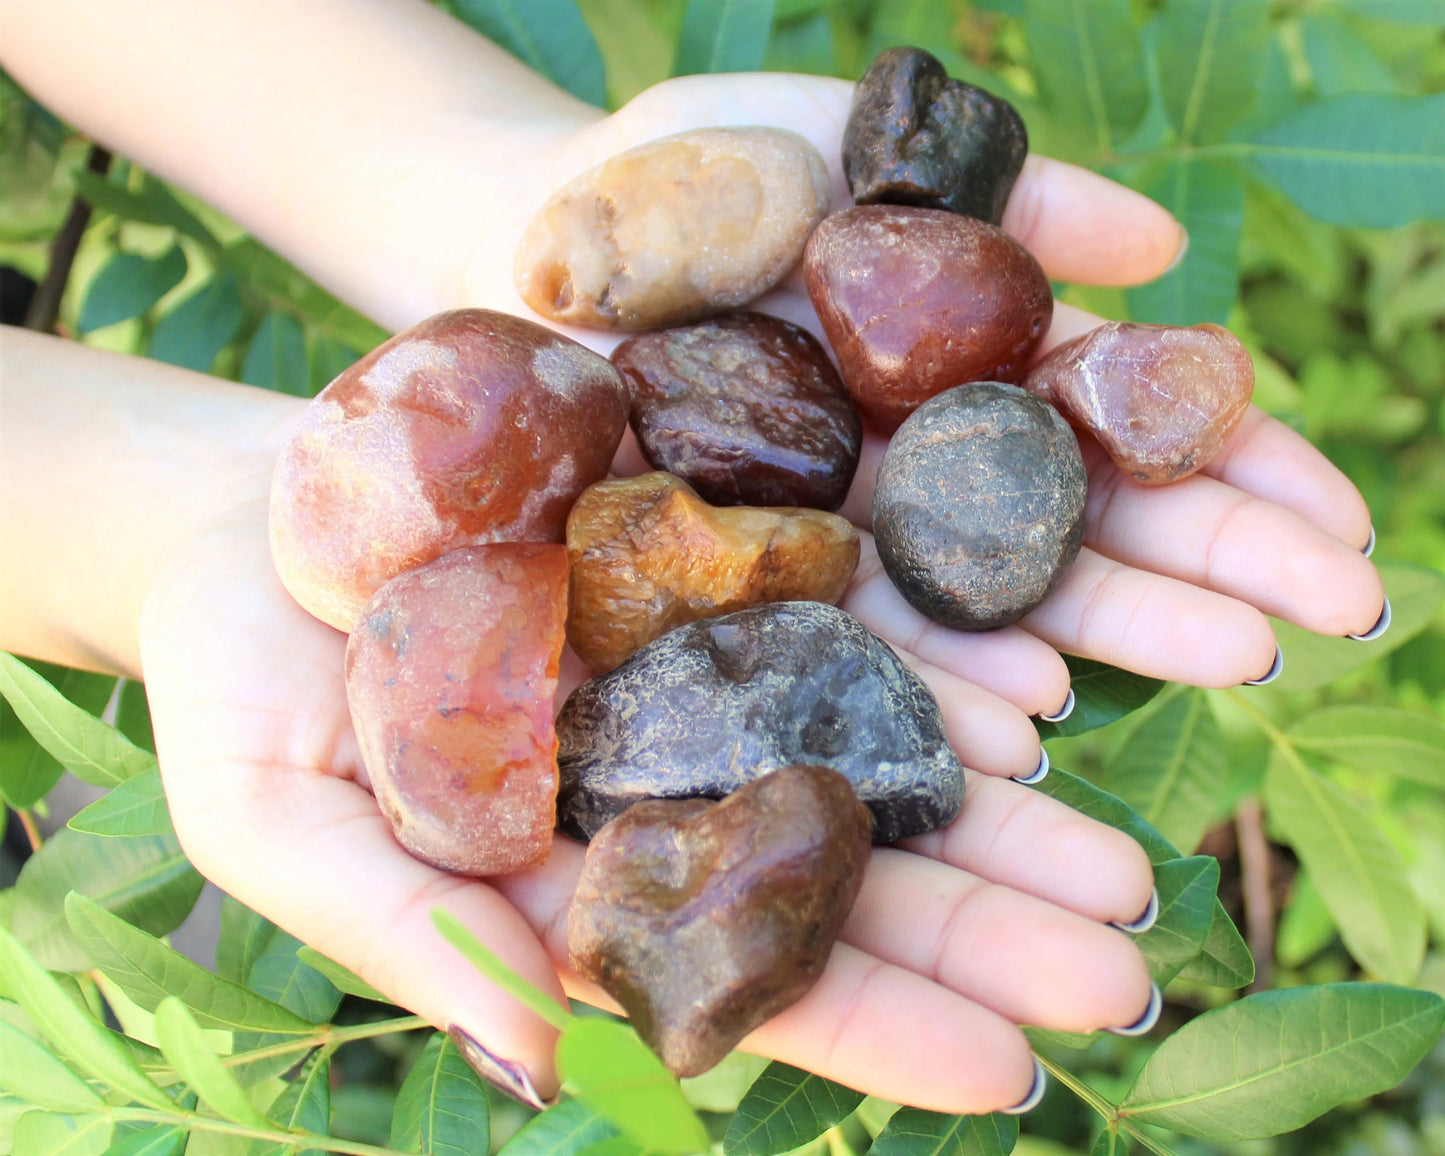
[(1302, 142)]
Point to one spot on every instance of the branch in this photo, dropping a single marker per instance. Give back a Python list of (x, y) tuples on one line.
[(45, 306)]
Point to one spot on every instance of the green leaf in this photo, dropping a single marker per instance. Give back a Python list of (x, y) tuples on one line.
[(148, 972), (276, 357), (1102, 694), (71, 1028), (153, 205), (282, 976), (245, 935), (1354, 865), (1340, 60), (343, 978), (914, 1132), (442, 1107), (199, 327), (1274, 1061), (568, 1129), (1187, 889), (1172, 769), (27, 770), (805, 45), (328, 359), (723, 36), (784, 1109), (1225, 960), (548, 35), (1311, 660), (151, 1140), (490, 965), (1305, 928), (136, 807), (1208, 199), (133, 715), (79, 741), (1109, 1143), (607, 1066), (1367, 160), (1211, 56), (1397, 742), (184, 1044), (146, 880), (129, 284), (29, 1071), (1430, 12), (305, 1105), (52, 1134), (1089, 62)]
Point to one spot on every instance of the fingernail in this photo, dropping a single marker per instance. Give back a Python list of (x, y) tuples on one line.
[(510, 1077), (1275, 670), (1179, 256), (1038, 774), (1370, 545), (1382, 624), (1063, 712), (1036, 1093), (1145, 921), (1145, 1023)]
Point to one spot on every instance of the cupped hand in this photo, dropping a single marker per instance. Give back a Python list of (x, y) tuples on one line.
[(959, 936)]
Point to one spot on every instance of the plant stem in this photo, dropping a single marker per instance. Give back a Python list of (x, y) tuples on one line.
[(1080, 1089), (195, 1122), (27, 824), (1146, 1140), (45, 305), (1254, 867), (328, 1036)]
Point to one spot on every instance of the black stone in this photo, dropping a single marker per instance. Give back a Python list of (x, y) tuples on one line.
[(979, 505), (916, 137), (713, 705)]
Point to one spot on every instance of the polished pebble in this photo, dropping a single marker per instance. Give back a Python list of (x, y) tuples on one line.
[(674, 230), (1161, 399), (916, 301), (470, 427), (979, 505), (705, 920), (746, 408), (712, 705), (648, 554), (450, 676)]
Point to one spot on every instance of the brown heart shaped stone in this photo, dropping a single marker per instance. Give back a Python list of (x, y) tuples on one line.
[(705, 920)]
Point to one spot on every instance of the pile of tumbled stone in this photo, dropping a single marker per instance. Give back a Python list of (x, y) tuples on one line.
[(743, 739)]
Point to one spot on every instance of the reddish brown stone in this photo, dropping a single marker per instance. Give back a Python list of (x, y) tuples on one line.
[(1161, 399), (915, 301), (471, 427), (674, 230), (746, 408), (705, 920), (450, 675), (648, 554)]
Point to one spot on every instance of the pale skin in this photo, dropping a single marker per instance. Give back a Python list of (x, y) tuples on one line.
[(395, 156)]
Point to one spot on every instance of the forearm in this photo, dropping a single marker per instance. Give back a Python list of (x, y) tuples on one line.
[(376, 143), (107, 463)]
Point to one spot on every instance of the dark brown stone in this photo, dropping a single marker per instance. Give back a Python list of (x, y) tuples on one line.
[(450, 676), (470, 427), (704, 920), (712, 705), (979, 505), (1161, 399), (648, 554), (746, 408), (915, 137), (916, 301)]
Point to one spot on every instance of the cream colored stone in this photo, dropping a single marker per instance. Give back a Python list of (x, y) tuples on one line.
[(674, 230)]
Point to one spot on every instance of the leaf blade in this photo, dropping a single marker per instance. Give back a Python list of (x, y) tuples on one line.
[(441, 1108), (134, 807), (1211, 55), (185, 1046), (915, 1132), (549, 35), (784, 1109), (723, 36)]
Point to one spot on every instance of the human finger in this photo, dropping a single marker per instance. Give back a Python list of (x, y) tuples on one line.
[(1213, 535), (1153, 625), (1009, 663), (1020, 838), (867, 1023), (1023, 957)]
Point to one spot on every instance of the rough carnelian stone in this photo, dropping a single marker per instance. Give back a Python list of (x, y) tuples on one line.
[(1161, 399), (915, 301), (648, 554), (705, 920), (450, 675), (471, 427)]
